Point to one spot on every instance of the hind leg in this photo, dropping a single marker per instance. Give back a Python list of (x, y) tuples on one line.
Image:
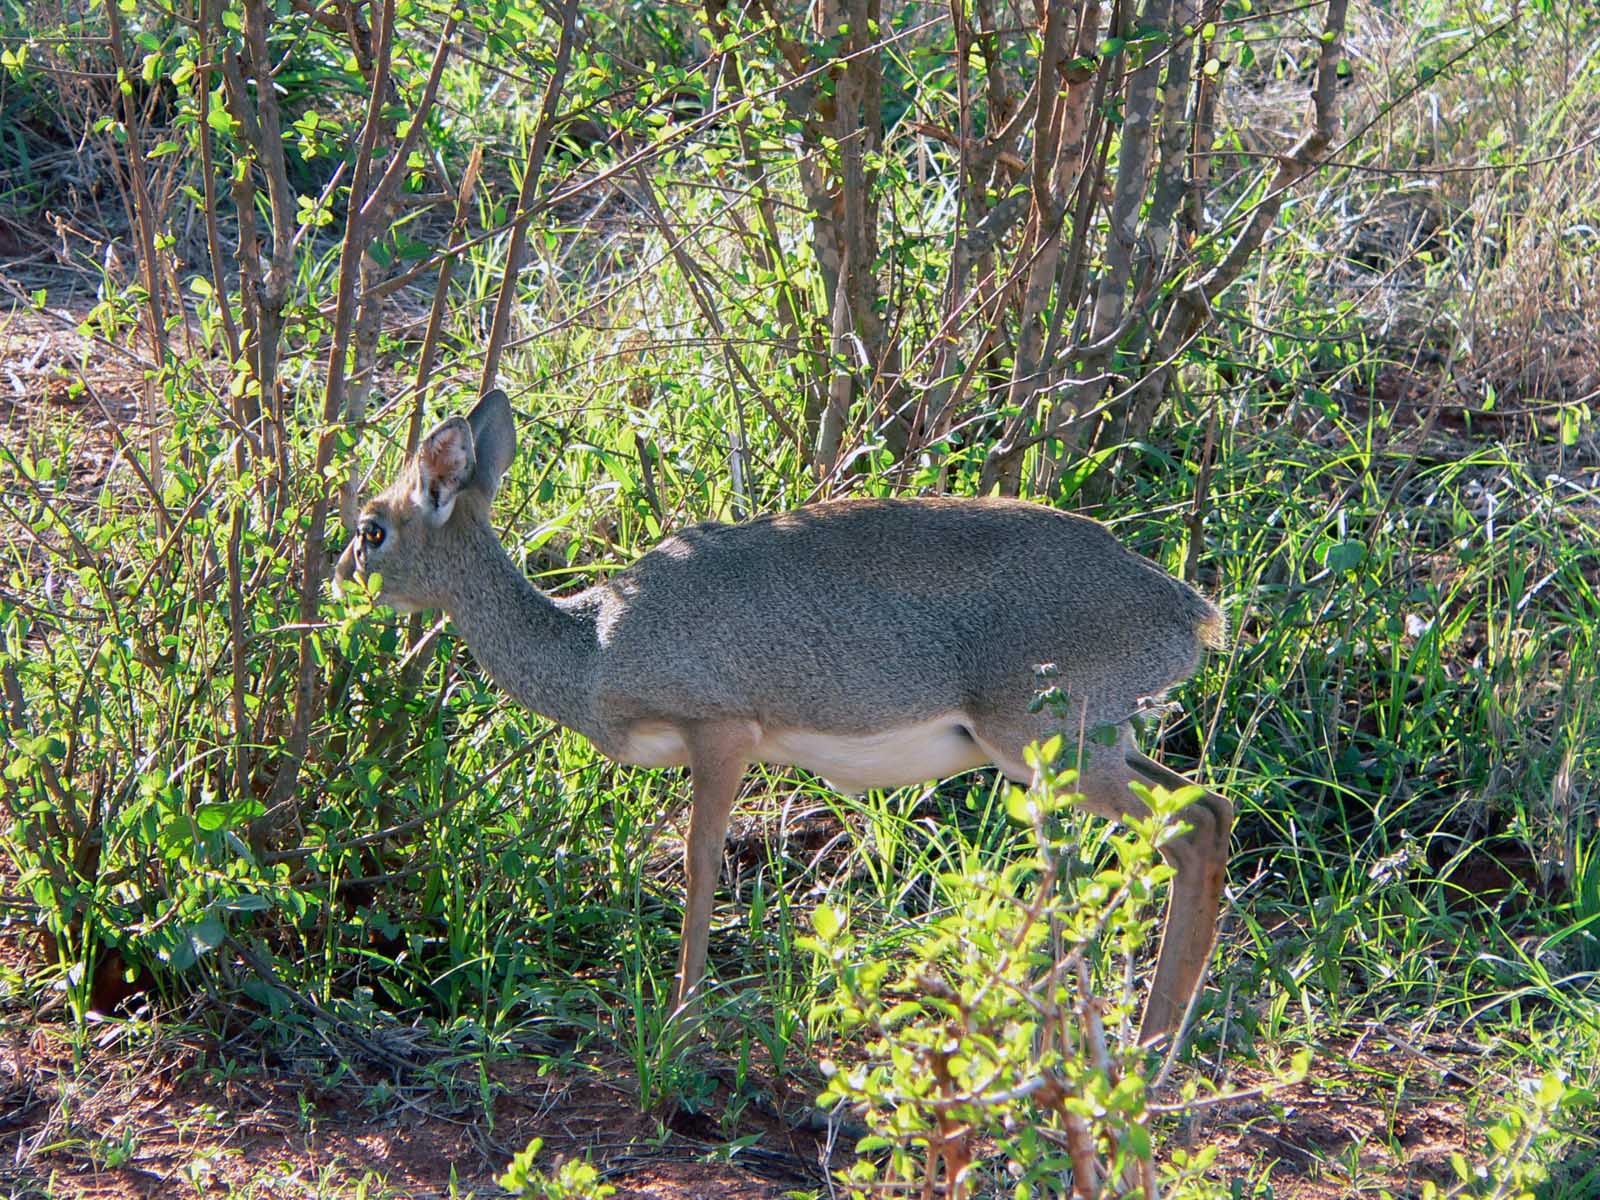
[(1198, 856)]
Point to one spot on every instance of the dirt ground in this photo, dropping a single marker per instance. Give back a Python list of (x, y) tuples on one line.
[(160, 1108), (164, 1115), (125, 1125)]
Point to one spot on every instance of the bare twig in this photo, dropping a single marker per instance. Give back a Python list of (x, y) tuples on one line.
[(145, 225), (527, 201)]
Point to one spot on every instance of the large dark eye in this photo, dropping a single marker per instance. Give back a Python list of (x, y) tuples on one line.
[(372, 534)]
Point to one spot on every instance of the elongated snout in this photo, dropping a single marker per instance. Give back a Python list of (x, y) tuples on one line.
[(345, 570)]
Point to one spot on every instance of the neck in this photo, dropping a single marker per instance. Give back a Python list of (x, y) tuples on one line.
[(532, 647)]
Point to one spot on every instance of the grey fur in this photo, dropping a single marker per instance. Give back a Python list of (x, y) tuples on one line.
[(840, 619), (843, 617)]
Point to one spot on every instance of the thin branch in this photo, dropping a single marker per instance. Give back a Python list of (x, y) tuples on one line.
[(527, 201)]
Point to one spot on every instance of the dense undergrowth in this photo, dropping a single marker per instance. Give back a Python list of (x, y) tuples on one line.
[(1378, 452)]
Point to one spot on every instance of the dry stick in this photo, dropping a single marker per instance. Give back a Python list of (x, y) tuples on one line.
[(356, 238), (145, 221), (1057, 150), (364, 202), (327, 1024), (360, 325), (375, 213), (238, 614), (1274, 196), (1133, 174), (701, 288), (825, 457), (994, 225), (701, 291), (249, 260), (928, 421), (84, 554), (373, 208), (312, 566), (1090, 185), (1068, 136), (839, 206), (202, 84), (297, 853), (1070, 281), (768, 247), (263, 296), (1002, 95), (281, 204), (430, 346), (858, 185), (1203, 129), (1172, 140), (971, 311), (815, 112), (172, 539), (668, 140), (447, 263), (984, 226), (527, 200), (1191, 307), (1202, 488), (1293, 166), (1132, 417), (1193, 303), (126, 450)]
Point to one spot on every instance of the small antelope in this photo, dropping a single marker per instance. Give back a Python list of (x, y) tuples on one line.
[(876, 643)]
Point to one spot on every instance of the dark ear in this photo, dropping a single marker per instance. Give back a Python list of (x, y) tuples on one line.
[(494, 438), (445, 463)]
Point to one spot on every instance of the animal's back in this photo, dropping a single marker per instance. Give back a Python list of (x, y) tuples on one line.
[(859, 615)]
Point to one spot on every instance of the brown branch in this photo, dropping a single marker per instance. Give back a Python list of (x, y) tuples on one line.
[(372, 208), (1133, 175), (208, 173), (1293, 166), (1060, 130), (768, 247), (527, 201), (1204, 124), (376, 213), (1192, 306), (441, 292), (144, 218), (700, 289), (312, 566)]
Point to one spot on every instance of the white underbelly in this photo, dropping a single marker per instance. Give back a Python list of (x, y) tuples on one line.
[(933, 749), (888, 758), (654, 744)]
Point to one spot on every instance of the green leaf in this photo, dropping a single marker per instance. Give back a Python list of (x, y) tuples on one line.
[(211, 817), (1346, 556), (209, 932), (825, 919)]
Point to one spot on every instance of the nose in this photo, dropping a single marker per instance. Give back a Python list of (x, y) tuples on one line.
[(345, 571)]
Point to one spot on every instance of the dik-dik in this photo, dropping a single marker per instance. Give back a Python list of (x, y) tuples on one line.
[(876, 643)]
